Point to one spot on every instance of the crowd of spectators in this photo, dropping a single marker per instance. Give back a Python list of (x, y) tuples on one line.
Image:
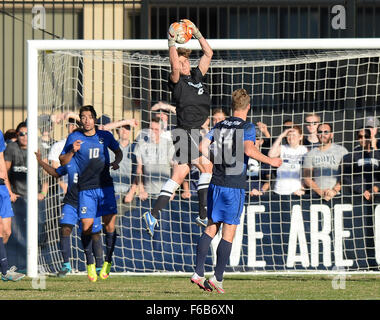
[(314, 164)]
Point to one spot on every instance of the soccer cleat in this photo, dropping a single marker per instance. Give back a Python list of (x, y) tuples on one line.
[(150, 222), (91, 272), (66, 268), (201, 222), (98, 270), (217, 285), (105, 271), (12, 275), (201, 282)]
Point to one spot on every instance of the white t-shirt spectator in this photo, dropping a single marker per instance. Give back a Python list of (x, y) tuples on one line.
[(156, 161), (289, 174)]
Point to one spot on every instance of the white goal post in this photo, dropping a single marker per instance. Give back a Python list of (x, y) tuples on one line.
[(34, 47)]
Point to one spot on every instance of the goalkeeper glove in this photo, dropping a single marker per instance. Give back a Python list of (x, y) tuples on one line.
[(196, 33), (171, 36)]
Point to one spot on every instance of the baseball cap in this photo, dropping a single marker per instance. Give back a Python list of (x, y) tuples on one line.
[(103, 120), (371, 122)]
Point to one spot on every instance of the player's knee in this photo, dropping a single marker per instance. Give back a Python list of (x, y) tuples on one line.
[(96, 236), (66, 230), (6, 235)]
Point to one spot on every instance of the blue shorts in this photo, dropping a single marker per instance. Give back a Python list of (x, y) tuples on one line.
[(70, 216), (97, 202), (6, 210), (225, 204)]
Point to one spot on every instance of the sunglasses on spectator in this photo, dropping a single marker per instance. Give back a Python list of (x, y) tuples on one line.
[(324, 132), (311, 123), (360, 136), (22, 134)]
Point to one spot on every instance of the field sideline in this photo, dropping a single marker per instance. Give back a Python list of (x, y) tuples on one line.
[(238, 287)]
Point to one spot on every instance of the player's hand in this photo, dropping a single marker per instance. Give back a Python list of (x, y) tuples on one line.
[(186, 194), (367, 195), (128, 197), (143, 195), (41, 196), (263, 128), (132, 122), (13, 196), (255, 192), (76, 146), (275, 162), (171, 36), (38, 155), (114, 166), (196, 33), (299, 192), (329, 193)]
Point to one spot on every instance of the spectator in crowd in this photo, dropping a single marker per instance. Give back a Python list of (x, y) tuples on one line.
[(123, 177), (310, 139), (10, 136), (265, 137), (286, 124), (125, 186), (45, 141), (56, 149), (361, 168), (372, 123), (154, 159), (162, 111), (361, 181), (289, 174), (15, 156), (218, 114), (321, 165)]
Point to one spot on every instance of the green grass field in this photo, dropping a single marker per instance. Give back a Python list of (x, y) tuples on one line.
[(238, 287)]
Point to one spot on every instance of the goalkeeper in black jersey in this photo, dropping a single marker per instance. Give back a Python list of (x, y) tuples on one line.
[(192, 101)]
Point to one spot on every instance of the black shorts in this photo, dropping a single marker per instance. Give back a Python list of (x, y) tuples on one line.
[(186, 144)]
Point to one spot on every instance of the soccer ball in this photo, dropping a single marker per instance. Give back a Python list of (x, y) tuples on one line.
[(181, 32)]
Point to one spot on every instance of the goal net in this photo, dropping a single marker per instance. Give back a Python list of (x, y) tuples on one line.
[(279, 232)]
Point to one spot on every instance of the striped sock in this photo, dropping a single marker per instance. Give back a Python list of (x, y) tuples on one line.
[(168, 189), (203, 183)]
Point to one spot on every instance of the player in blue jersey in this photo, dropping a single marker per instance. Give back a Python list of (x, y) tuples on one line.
[(70, 216), (6, 214), (234, 140), (89, 149)]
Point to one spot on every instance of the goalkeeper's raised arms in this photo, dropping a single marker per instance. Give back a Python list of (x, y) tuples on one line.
[(196, 33)]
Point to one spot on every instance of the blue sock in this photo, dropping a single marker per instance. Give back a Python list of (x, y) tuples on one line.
[(97, 249), (222, 255), (110, 245), (202, 250), (87, 247), (3, 257), (65, 248)]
